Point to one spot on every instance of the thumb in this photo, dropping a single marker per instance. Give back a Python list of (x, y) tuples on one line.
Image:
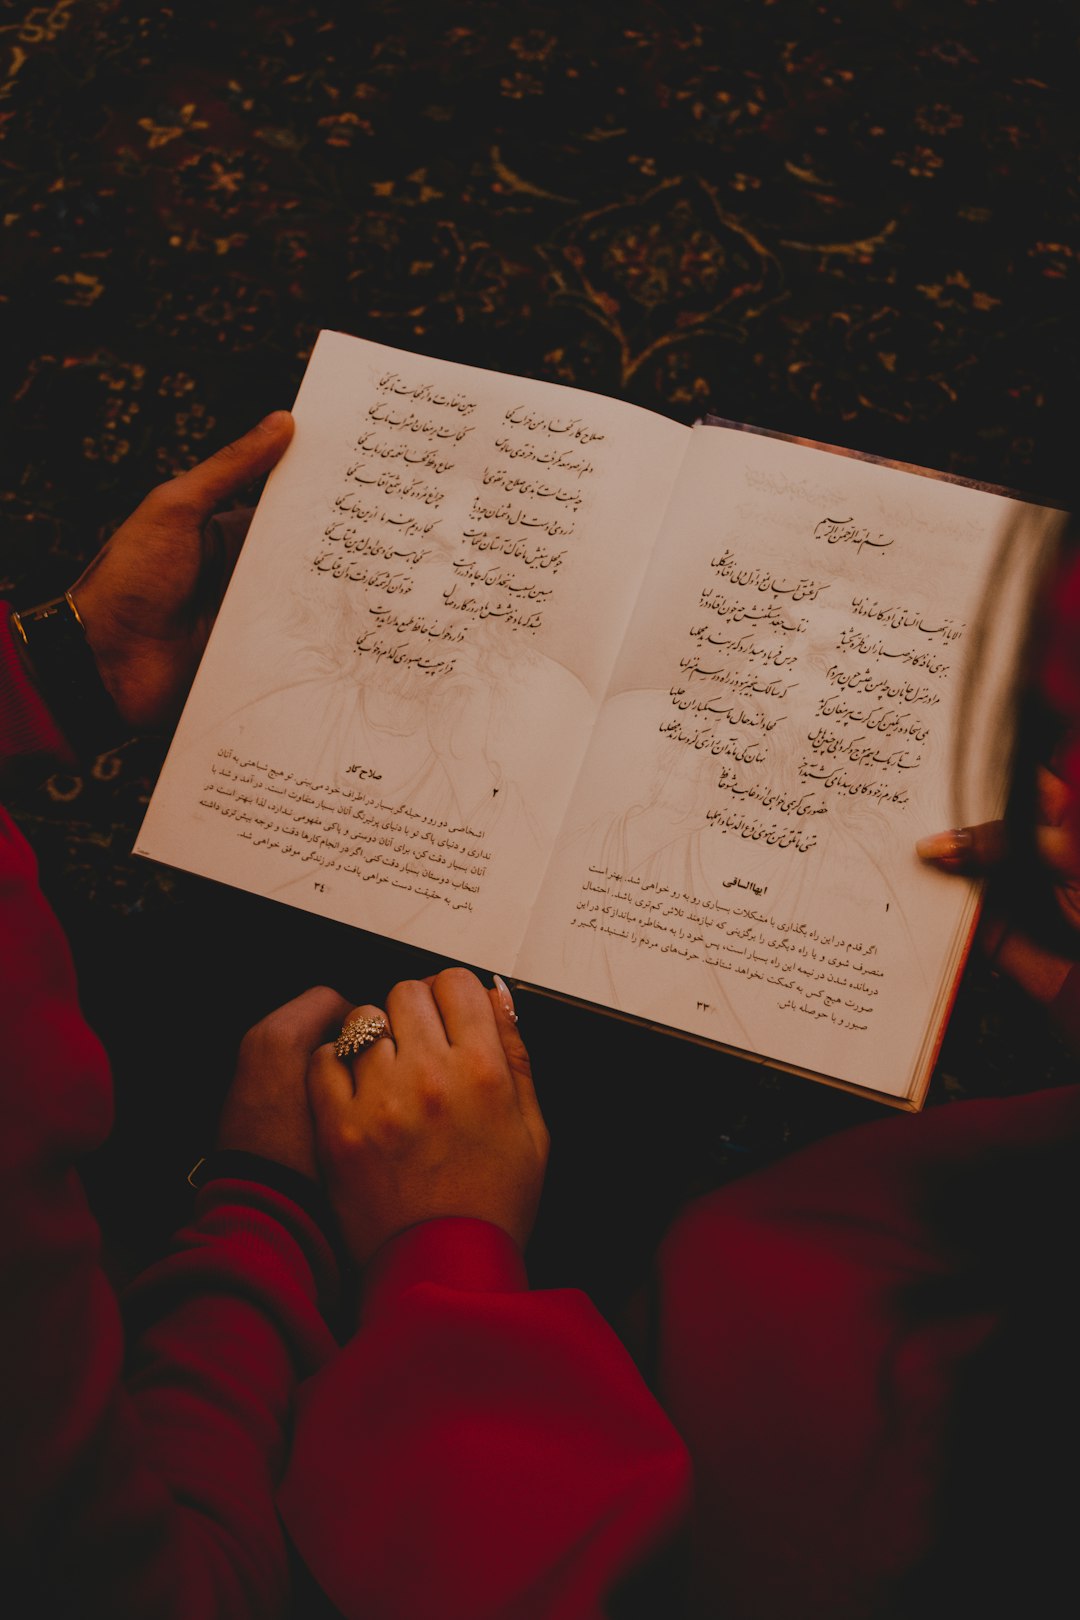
[(222, 475), (965, 849)]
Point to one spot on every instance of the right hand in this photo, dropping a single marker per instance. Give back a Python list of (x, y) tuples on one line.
[(976, 851), (439, 1119), (266, 1109)]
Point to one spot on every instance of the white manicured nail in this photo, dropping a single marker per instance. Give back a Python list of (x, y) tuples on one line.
[(505, 997)]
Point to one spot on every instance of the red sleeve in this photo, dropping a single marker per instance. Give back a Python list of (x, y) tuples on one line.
[(154, 1494), (477, 1451), (811, 1350)]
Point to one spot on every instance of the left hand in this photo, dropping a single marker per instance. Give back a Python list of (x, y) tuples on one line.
[(976, 851), (266, 1110), (437, 1119), (149, 597)]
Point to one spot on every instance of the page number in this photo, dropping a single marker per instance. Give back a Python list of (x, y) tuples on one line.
[(320, 888)]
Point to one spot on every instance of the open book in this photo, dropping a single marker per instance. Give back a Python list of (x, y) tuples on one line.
[(643, 715)]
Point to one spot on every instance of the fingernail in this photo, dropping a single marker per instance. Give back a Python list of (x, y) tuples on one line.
[(953, 845), (505, 997)]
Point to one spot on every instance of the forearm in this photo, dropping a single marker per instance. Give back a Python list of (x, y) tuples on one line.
[(221, 1332), (151, 1491)]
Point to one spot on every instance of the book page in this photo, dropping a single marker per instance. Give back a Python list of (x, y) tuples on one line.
[(738, 857), (405, 672)]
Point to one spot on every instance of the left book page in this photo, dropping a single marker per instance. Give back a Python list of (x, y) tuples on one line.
[(402, 681)]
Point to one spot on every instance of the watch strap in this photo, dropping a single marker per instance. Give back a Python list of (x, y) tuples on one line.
[(55, 648), (235, 1164)]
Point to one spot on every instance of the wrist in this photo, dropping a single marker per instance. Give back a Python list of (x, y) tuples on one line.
[(109, 647), (253, 1127), (1039, 972)]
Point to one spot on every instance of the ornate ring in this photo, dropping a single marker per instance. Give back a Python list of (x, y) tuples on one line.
[(358, 1034)]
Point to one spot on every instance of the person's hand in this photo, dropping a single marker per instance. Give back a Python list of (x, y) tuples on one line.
[(438, 1118), (978, 851), (266, 1111), (149, 597)]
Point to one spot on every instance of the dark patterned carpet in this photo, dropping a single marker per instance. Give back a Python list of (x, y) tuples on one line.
[(854, 221)]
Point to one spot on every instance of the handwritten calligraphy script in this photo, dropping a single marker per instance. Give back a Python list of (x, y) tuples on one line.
[(481, 577), (835, 531), (790, 739)]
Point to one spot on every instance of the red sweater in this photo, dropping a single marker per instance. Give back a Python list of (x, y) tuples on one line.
[(475, 1450)]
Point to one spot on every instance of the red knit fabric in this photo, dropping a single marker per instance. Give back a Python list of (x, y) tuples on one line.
[(476, 1450), (813, 1393), (483, 1451)]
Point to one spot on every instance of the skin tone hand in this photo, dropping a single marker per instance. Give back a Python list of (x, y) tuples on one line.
[(266, 1110), (439, 1120), (977, 850), (149, 597)]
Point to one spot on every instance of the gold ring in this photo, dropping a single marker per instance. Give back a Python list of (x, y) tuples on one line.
[(358, 1034)]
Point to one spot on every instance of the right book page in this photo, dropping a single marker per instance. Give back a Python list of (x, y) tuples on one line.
[(789, 713)]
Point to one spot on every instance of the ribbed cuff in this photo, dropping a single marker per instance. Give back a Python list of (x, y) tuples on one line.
[(234, 1164)]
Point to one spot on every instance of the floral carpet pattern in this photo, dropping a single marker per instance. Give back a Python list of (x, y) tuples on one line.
[(851, 221)]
